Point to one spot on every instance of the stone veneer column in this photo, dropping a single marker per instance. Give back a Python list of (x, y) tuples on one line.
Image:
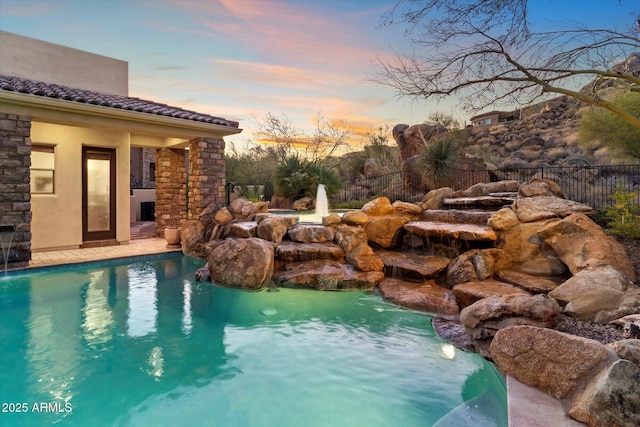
[(15, 190), (207, 170), (171, 189)]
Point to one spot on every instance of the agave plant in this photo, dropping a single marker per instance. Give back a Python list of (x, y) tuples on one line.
[(437, 161)]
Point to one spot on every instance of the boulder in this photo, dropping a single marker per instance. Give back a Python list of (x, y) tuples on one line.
[(325, 276), (423, 296), (331, 220), (456, 216), (223, 215), (554, 362), (628, 349), (541, 187), (311, 233), (477, 264), (580, 243), (356, 217), (469, 292), (295, 252), (612, 398), (303, 204), (412, 264), (485, 317), (406, 209), (243, 229), (530, 209), (191, 234), (530, 254), (242, 263), (503, 220), (486, 188), (274, 228), (433, 199), (371, 168), (378, 207), (349, 237), (386, 231), (363, 259), (598, 294), (528, 282), (209, 213), (236, 206), (469, 232)]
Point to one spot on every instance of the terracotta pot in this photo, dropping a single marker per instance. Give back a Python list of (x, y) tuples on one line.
[(172, 234)]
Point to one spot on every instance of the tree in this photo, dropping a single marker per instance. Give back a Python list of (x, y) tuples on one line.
[(485, 52), (601, 125), (328, 138), (445, 120)]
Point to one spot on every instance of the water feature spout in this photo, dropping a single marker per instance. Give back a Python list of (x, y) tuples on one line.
[(322, 204), (8, 230)]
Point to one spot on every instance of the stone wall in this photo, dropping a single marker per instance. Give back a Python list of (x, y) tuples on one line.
[(206, 174), (171, 189), (15, 192), (148, 157)]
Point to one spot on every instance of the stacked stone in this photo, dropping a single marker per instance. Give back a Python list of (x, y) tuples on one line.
[(206, 174), (171, 189), (15, 192)]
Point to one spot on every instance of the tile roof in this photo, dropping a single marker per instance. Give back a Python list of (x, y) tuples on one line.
[(51, 90)]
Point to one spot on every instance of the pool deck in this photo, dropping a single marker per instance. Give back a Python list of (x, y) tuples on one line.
[(150, 246), (528, 406)]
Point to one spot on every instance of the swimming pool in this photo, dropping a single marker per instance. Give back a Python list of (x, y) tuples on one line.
[(141, 343)]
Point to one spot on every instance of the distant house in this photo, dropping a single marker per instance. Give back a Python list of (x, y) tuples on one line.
[(492, 118), (68, 134)]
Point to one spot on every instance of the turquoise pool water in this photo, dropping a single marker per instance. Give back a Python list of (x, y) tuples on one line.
[(141, 343)]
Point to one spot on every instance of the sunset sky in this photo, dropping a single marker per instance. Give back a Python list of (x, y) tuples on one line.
[(241, 59)]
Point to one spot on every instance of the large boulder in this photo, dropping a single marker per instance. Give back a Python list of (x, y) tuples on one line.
[(552, 361), (530, 254), (580, 243), (325, 276), (541, 187), (242, 263), (274, 228), (311, 233), (356, 217), (433, 199), (599, 294), (484, 318), (353, 241), (192, 234), (242, 229), (503, 220), (534, 284), (303, 204), (378, 207), (546, 207), (612, 398), (477, 264), (469, 292), (386, 231)]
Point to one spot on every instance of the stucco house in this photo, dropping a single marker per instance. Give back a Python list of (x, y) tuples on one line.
[(67, 129)]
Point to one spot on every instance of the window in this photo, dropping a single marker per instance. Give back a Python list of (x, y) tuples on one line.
[(42, 169), (152, 171)]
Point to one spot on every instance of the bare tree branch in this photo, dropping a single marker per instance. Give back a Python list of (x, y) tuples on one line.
[(485, 52)]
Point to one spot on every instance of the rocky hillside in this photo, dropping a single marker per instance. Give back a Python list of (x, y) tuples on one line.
[(542, 135)]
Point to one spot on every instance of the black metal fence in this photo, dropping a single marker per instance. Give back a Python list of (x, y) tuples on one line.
[(591, 185)]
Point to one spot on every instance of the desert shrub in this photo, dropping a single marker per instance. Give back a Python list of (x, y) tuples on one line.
[(623, 218)]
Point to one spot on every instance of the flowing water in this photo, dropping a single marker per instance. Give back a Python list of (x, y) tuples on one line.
[(141, 343)]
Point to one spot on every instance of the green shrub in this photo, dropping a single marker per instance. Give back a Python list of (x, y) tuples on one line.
[(297, 178), (624, 216)]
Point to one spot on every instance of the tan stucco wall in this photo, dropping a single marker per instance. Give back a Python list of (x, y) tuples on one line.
[(57, 218), (39, 60)]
